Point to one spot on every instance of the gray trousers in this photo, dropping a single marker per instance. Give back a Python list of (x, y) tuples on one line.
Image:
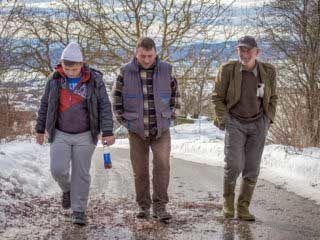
[(244, 143), (75, 150)]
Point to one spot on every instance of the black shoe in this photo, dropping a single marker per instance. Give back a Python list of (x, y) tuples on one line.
[(79, 218), (66, 201), (144, 213), (162, 214)]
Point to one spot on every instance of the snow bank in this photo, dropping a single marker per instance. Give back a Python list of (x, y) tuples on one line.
[(26, 165)]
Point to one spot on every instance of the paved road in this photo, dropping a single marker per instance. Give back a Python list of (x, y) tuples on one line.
[(195, 193)]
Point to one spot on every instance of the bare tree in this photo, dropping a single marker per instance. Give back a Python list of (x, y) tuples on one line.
[(44, 34), (293, 30), (8, 11), (182, 30), (119, 24), (196, 86), (108, 31), (7, 34)]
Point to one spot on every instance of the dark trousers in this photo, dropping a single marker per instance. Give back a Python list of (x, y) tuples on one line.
[(139, 155)]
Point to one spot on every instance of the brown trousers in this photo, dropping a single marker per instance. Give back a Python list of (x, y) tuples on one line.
[(139, 155)]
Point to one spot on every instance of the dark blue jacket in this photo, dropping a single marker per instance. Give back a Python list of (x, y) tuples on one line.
[(99, 107)]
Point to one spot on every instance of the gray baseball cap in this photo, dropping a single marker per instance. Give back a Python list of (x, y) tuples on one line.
[(247, 41)]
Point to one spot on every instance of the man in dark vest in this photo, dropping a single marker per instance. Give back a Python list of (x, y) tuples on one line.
[(145, 97), (245, 102)]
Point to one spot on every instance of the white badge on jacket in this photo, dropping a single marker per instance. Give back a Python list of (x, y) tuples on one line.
[(260, 90)]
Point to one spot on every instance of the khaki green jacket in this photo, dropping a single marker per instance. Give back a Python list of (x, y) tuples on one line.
[(227, 90)]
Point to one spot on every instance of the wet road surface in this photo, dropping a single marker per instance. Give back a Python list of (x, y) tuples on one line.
[(195, 202)]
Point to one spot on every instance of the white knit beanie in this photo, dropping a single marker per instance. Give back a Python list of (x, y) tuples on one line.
[(72, 52)]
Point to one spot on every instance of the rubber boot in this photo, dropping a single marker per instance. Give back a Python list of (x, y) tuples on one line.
[(228, 198), (246, 192)]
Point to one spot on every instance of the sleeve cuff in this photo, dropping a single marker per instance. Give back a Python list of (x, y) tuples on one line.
[(107, 134)]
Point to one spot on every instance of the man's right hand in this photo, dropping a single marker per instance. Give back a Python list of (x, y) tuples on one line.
[(40, 138), (222, 127), (219, 125)]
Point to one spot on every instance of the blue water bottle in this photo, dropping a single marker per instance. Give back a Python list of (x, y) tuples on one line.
[(106, 158)]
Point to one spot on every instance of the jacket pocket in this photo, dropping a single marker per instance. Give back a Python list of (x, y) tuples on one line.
[(165, 97), (131, 120), (167, 114), (130, 101), (130, 115), (166, 119)]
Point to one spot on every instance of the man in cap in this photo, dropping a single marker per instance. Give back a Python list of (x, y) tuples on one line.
[(245, 102)]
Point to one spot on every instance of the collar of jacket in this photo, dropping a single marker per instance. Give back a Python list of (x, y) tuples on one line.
[(263, 74), (85, 72), (254, 70), (135, 65), (238, 77)]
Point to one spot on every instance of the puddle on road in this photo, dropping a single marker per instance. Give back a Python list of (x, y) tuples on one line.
[(115, 219)]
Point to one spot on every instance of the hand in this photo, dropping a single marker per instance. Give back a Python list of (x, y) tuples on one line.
[(109, 140), (40, 138), (267, 121), (222, 127), (219, 124)]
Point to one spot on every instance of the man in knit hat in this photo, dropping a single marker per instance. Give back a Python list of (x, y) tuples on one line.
[(245, 102), (74, 110)]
